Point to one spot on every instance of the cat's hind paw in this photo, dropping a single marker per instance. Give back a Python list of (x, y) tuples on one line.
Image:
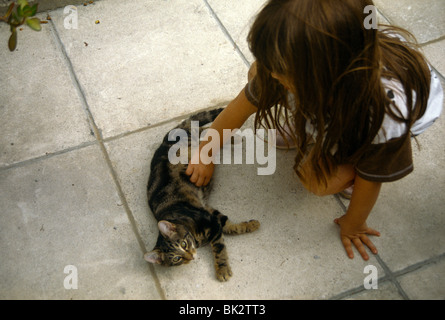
[(240, 228)]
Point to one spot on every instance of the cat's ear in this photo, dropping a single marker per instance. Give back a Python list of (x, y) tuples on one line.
[(153, 257), (167, 229)]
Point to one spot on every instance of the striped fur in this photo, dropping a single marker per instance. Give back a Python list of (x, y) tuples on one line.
[(185, 221)]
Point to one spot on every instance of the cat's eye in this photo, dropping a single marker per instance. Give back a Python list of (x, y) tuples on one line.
[(176, 259), (184, 244)]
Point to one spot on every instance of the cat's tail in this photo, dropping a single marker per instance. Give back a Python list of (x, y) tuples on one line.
[(240, 228)]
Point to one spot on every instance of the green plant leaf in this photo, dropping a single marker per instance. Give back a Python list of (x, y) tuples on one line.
[(33, 10), (34, 24), (13, 19), (12, 43), (20, 12), (8, 13), (29, 11), (22, 3), (26, 11)]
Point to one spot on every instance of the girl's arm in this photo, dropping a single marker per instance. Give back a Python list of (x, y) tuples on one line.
[(232, 117), (354, 229)]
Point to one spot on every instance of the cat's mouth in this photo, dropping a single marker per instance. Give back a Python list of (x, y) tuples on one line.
[(192, 254), (187, 257)]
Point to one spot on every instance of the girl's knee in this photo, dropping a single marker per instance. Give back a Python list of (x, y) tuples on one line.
[(310, 182), (344, 178), (315, 188)]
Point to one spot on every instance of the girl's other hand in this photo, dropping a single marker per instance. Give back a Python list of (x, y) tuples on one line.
[(357, 236)]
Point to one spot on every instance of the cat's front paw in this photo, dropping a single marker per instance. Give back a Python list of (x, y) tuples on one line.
[(223, 273)]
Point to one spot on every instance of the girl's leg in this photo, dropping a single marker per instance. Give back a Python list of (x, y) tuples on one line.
[(342, 179)]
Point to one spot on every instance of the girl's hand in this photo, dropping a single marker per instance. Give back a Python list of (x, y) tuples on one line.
[(357, 235), (200, 174)]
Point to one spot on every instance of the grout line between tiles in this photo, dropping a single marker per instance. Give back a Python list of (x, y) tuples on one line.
[(388, 273), (342, 205), (392, 277), (419, 265), (164, 122), (174, 120), (383, 15), (432, 41), (23, 163), (97, 133), (226, 32), (351, 292), (422, 45)]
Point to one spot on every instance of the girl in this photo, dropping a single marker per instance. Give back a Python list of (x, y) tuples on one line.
[(348, 97)]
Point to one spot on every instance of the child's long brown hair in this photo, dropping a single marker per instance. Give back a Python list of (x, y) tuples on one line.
[(335, 66)]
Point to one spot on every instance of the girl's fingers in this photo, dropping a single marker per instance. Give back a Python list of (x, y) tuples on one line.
[(361, 248), (200, 181), (189, 170), (194, 177), (373, 232), (369, 244), (360, 240), (358, 243), (348, 247)]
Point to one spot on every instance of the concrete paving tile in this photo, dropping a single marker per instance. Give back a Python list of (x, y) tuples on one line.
[(434, 53), (154, 62), (410, 212), (40, 111), (385, 291), (238, 25), (426, 283), (65, 211), (133, 172), (44, 5), (295, 254), (423, 18)]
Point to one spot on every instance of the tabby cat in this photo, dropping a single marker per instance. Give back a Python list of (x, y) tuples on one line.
[(185, 221)]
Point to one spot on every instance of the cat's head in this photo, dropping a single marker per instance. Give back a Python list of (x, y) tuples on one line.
[(175, 245)]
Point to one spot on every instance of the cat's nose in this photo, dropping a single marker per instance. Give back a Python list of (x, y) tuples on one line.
[(189, 256)]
